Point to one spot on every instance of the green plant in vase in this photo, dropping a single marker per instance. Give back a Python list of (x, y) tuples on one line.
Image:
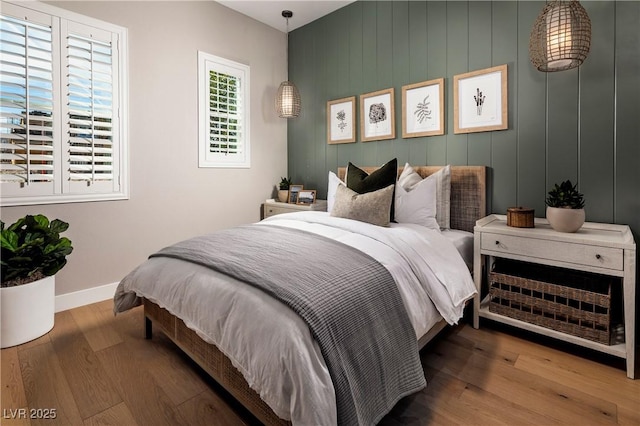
[(32, 253), (565, 207), (283, 189)]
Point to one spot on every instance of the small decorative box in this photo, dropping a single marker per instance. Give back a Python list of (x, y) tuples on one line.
[(520, 217)]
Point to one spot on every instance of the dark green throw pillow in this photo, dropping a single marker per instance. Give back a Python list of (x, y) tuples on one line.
[(359, 181)]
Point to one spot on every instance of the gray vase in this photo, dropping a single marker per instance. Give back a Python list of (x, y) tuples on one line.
[(565, 219)]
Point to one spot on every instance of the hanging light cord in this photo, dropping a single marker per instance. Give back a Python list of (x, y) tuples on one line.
[(287, 14)]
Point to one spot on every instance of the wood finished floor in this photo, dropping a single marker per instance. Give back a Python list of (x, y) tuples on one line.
[(97, 369)]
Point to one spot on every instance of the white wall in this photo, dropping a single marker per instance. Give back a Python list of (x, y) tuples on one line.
[(171, 198)]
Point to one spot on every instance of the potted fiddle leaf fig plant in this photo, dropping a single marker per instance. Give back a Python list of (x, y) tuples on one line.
[(565, 207), (283, 189), (32, 253)]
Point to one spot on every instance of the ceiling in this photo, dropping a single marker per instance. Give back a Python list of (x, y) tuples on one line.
[(270, 11)]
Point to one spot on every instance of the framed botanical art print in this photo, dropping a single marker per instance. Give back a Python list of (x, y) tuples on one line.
[(377, 114), (480, 100), (341, 117), (423, 109)]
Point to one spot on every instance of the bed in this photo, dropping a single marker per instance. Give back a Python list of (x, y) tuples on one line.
[(309, 389)]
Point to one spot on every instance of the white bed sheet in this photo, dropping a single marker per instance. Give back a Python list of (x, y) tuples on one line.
[(463, 242), (270, 344)]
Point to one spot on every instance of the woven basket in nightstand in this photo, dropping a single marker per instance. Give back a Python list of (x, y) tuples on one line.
[(572, 302)]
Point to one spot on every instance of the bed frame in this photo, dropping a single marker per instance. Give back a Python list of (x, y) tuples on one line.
[(468, 204)]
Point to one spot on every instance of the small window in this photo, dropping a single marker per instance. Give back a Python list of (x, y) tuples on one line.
[(224, 112)]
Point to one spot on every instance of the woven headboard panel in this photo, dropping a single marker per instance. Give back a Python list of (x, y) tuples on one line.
[(468, 192)]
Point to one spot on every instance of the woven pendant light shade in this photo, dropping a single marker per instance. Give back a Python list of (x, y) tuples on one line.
[(561, 36), (288, 101)]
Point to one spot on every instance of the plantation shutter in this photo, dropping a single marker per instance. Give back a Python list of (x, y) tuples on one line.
[(224, 92), (63, 104), (27, 105), (224, 118), (91, 109)]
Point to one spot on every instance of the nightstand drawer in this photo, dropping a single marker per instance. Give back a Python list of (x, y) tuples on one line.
[(580, 254), (273, 210)]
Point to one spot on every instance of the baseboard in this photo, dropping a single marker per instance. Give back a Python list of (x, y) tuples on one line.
[(85, 297)]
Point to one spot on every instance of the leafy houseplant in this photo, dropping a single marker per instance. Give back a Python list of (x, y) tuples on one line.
[(283, 193), (565, 195), (33, 249), (32, 253), (284, 183), (565, 207)]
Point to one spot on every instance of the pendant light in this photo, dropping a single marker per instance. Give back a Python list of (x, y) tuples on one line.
[(560, 37), (288, 101)]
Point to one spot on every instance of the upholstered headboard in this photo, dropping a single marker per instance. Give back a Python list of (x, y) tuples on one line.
[(468, 192)]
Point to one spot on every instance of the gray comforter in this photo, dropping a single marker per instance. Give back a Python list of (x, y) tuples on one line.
[(350, 302)]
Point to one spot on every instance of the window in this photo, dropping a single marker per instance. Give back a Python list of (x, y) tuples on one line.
[(224, 112), (63, 116)]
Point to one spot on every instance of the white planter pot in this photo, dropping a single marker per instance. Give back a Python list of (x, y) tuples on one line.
[(565, 220), (27, 311)]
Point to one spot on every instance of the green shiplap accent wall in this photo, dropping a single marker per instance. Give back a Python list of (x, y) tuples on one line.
[(626, 191), (582, 124)]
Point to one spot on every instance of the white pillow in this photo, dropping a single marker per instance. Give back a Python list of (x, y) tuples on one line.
[(409, 178), (332, 186), (418, 205)]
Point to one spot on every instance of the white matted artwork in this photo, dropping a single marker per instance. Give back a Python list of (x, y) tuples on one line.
[(480, 100), (341, 118), (423, 109), (377, 116)]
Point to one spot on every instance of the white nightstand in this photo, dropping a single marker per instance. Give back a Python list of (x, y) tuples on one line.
[(274, 208), (598, 248)]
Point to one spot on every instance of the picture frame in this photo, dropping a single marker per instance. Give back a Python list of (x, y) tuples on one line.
[(480, 100), (423, 109), (293, 193), (306, 197), (341, 119), (377, 116)]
